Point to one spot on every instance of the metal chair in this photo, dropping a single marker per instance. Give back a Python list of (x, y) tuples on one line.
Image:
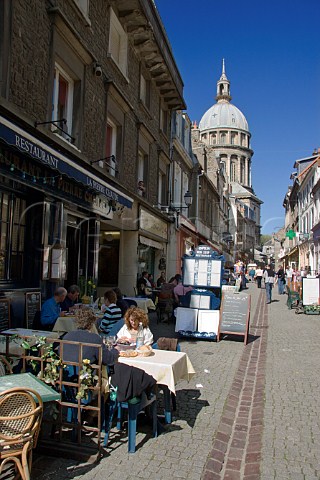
[(133, 406), (20, 421), (169, 397)]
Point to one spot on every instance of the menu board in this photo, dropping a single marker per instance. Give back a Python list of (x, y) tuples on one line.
[(5, 322), (310, 291), (33, 305), (235, 315), (202, 269)]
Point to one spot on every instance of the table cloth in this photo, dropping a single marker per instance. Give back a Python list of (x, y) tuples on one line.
[(165, 366)]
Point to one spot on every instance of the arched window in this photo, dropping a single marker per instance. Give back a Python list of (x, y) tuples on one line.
[(233, 172), (223, 138)]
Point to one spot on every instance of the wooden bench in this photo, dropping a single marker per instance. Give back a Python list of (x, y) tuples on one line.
[(293, 298)]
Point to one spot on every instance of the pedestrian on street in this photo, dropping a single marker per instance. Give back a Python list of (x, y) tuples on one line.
[(281, 280), (269, 281), (258, 276)]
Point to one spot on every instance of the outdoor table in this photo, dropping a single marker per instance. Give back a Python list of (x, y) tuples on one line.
[(143, 303), (166, 368), (68, 324), (23, 332), (28, 380)]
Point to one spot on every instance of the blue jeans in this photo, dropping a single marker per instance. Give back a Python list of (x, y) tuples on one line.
[(280, 286), (269, 292)]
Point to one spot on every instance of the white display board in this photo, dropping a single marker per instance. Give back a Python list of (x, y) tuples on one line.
[(310, 291), (186, 319), (208, 321)]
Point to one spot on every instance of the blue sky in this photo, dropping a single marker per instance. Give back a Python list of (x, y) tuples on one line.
[(272, 54)]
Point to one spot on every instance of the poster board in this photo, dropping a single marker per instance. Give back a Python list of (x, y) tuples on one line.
[(202, 269), (235, 315), (5, 320), (310, 291), (33, 304)]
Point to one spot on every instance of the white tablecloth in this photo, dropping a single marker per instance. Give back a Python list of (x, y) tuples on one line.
[(165, 366), (68, 324), (143, 303)]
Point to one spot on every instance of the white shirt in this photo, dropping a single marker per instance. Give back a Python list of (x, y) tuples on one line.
[(147, 334), (259, 272)]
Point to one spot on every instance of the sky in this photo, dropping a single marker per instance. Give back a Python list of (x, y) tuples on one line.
[(272, 55)]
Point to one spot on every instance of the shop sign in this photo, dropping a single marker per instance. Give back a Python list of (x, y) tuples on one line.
[(35, 149), (150, 223)]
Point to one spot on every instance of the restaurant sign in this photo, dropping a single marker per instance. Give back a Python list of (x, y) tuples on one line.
[(37, 150)]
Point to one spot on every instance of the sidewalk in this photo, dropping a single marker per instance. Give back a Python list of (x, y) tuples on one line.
[(250, 412)]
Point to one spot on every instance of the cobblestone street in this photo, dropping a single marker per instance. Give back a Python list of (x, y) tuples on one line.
[(249, 413)]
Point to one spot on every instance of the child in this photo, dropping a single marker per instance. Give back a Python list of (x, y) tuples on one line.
[(112, 312)]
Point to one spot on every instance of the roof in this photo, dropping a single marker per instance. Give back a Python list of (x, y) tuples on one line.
[(223, 114)]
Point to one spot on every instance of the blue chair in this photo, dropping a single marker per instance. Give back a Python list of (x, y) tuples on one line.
[(133, 406), (169, 397)]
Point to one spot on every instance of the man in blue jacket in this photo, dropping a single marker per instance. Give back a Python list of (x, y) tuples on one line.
[(51, 308)]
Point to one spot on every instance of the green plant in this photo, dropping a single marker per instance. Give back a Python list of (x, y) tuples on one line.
[(87, 286), (87, 379), (52, 361)]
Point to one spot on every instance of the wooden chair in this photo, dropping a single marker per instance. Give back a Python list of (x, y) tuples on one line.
[(5, 367), (20, 420)]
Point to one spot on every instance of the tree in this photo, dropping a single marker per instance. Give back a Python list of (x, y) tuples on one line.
[(265, 238)]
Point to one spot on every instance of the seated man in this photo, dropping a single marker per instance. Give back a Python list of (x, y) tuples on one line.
[(51, 308), (144, 286), (71, 298), (112, 312)]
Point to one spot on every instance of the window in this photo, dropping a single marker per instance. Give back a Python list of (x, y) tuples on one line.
[(12, 230), (145, 91), (142, 172), (62, 103), (118, 44), (164, 121), (112, 135), (242, 170), (233, 172), (163, 182), (223, 138), (83, 6), (233, 138)]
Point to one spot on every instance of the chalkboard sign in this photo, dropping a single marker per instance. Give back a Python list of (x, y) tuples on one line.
[(235, 315), (33, 304), (5, 322)]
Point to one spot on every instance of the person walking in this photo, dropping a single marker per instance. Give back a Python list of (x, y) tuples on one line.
[(281, 280), (269, 281), (258, 276)]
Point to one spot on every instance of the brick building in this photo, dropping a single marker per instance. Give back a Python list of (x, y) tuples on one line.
[(87, 94)]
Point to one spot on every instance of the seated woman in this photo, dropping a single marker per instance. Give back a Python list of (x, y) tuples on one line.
[(85, 319), (129, 331)]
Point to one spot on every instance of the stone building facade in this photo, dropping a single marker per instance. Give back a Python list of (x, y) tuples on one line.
[(87, 94)]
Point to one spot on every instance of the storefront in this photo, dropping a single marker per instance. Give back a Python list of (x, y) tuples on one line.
[(152, 243), (50, 213)]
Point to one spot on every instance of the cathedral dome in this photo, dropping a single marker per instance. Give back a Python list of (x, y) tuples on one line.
[(223, 115)]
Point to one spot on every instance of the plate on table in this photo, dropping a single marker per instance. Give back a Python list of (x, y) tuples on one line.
[(128, 353), (145, 351)]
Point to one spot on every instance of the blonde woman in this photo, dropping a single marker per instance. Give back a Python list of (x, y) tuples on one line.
[(85, 321), (129, 331)]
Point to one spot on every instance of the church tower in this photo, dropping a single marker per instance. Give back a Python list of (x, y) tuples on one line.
[(224, 129)]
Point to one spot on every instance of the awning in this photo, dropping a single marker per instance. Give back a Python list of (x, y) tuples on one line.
[(294, 250), (151, 243), (27, 144)]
